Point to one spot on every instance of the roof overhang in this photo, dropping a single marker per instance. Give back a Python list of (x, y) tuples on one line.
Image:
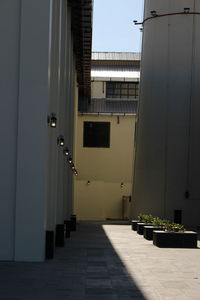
[(82, 37)]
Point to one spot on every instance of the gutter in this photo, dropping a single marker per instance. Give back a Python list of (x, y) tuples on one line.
[(105, 114)]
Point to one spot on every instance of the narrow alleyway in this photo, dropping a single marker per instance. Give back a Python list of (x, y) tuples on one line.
[(105, 261)]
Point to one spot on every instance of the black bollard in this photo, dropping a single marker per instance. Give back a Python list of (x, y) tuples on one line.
[(73, 223), (67, 228), (60, 235), (49, 246)]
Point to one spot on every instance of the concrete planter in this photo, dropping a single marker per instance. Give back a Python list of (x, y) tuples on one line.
[(187, 239), (140, 228), (134, 224), (148, 232)]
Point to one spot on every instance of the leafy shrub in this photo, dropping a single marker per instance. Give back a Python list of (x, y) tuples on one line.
[(165, 224), (145, 218)]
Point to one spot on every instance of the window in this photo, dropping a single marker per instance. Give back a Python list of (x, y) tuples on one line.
[(96, 134), (120, 90)]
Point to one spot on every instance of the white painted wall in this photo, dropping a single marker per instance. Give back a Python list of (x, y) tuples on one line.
[(37, 74), (8, 130), (105, 168), (167, 153)]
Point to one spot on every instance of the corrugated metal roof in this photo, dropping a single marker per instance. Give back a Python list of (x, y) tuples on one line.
[(105, 106), (116, 56), (115, 71)]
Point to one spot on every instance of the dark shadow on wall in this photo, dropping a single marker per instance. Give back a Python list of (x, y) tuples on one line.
[(88, 267)]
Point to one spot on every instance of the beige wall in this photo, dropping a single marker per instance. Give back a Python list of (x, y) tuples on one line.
[(98, 89), (105, 168)]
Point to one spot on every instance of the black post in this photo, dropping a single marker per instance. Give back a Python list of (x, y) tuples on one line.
[(73, 223), (60, 235), (49, 246), (67, 228)]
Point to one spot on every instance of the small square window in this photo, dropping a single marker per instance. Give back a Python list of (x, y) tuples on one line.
[(96, 134)]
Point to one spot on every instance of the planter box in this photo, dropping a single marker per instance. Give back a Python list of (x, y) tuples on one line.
[(187, 239), (140, 228), (148, 232), (134, 224)]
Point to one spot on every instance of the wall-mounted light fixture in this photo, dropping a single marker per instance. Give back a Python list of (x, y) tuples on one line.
[(52, 120), (88, 182), (66, 151), (61, 141), (70, 160), (122, 185), (186, 10), (153, 13)]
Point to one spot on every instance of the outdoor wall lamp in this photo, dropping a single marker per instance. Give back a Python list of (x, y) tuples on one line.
[(122, 185), (153, 13), (52, 120), (66, 151), (60, 141), (186, 10), (88, 182), (70, 160)]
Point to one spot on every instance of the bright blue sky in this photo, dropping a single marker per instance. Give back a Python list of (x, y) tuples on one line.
[(113, 27)]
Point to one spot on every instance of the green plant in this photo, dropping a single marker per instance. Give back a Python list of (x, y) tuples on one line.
[(165, 224), (158, 222), (145, 218), (173, 227)]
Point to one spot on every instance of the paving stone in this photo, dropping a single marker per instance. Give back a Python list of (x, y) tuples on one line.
[(105, 262)]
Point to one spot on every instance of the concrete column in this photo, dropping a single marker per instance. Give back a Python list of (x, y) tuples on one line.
[(9, 89), (32, 151)]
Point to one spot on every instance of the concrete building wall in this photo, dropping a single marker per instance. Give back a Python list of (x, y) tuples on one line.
[(37, 78), (167, 161), (105, 169), (9, 108), (98, 89)]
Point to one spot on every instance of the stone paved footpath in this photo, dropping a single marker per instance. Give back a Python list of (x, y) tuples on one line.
[(105, 262)]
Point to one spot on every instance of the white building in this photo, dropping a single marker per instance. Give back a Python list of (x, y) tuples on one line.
[(167, 166), (45, 53), (105, 137)]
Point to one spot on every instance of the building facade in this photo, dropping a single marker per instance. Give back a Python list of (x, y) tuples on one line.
[(167, 166), (45, 66), (105, 138)]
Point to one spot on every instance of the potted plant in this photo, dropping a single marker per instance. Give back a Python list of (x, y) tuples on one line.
[(144, 220), (157, 224), (174, 236)]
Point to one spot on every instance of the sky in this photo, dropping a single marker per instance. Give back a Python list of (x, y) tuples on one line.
[(113, 27)]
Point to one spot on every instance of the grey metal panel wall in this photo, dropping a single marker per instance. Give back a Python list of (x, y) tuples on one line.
[(32, 131), (167, 160), (9, 71)]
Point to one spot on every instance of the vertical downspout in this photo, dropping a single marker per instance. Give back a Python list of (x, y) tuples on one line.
[(187, 192)]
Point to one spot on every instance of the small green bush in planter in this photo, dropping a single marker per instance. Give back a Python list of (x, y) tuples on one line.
[(173, 227), (148, 219), (157, 222)]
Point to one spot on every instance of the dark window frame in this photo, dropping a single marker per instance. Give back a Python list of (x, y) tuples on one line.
[(120, 90), (96, 134)]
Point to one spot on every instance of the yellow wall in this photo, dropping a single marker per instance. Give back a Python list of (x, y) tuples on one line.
[(98, 89), (105, 168)]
